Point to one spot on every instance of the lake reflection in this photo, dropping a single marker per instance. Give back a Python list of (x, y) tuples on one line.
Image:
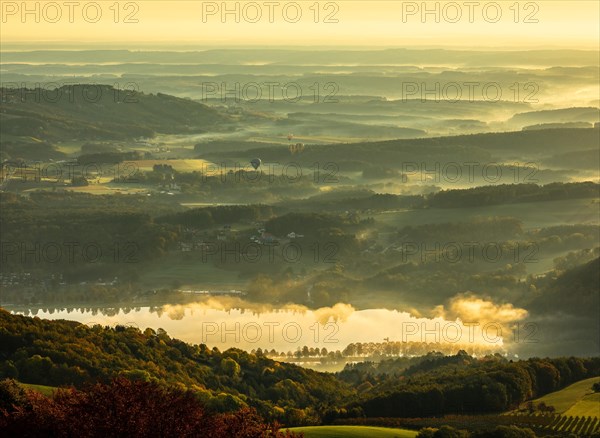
[(284, 329)]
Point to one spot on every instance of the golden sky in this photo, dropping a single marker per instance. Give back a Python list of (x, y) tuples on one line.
[(501, 24)]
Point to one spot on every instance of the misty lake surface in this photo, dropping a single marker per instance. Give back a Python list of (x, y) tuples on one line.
[(283, 329)]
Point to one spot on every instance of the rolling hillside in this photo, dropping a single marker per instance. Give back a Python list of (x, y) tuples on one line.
[(353, 432), (475, 147), (577, 399), (99, 112)]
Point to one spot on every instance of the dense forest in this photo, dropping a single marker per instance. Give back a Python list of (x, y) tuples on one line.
[(461, 384), (67, 353), (63, 353), (123, 408)]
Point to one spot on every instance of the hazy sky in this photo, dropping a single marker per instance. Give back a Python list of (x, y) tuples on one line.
[(501, 24)]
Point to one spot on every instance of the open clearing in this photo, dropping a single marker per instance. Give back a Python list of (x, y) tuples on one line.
[(45, 390), (184, 165), (353, 432), (588, 406), (575, 400)]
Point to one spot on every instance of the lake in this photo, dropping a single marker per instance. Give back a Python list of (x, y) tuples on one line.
[(218, 323)]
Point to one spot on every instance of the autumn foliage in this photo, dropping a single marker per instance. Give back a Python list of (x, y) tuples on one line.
[(122, 408)]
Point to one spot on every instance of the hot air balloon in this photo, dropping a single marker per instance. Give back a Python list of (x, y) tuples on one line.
[(255, 163)]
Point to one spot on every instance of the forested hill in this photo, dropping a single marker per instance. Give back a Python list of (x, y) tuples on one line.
[(57, 353), (575, 291), (466, 148), (91, 111), (459, 384)]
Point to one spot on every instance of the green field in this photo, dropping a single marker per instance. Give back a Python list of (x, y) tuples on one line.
[(353, 432), (575, 400), (181, 165), (45, 390), (588, 406)]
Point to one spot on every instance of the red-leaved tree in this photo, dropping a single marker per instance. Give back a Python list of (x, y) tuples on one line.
[(128, 409)]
